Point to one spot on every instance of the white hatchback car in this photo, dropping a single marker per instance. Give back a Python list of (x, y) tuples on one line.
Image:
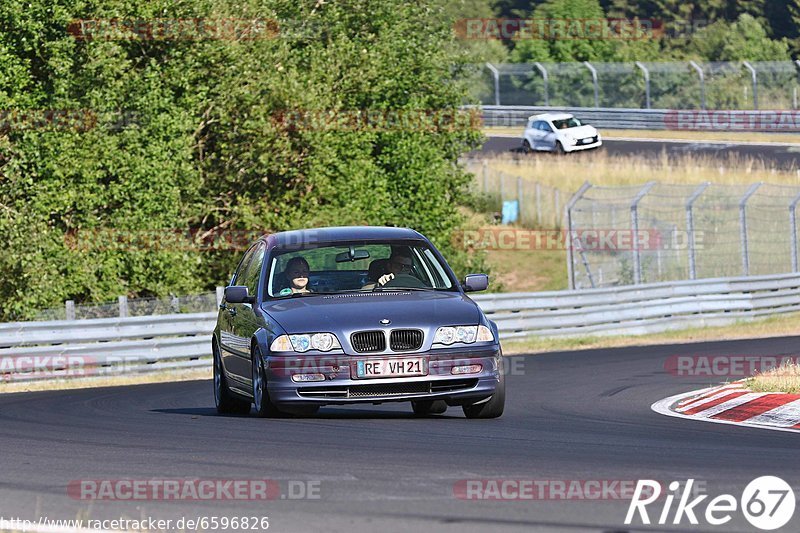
[(560, 133)]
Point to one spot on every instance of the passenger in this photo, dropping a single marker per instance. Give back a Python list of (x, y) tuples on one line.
[(297, 271)]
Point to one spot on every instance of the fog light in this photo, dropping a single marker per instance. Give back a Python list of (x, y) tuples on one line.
[(308, 377), (466, 369)]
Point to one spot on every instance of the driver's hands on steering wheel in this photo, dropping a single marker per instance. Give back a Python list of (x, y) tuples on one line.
[(386, 278)]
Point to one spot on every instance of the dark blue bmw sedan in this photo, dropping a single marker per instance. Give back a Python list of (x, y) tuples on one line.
[(353, 315)]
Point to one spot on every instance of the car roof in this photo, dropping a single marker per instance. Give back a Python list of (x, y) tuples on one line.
[(550, 116), (342, 233)]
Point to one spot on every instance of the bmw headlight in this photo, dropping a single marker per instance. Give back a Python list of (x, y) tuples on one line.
[(323, 342), (448, 335)]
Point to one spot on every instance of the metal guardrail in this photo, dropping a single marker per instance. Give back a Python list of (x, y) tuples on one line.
[(608, 118), (122, 346)]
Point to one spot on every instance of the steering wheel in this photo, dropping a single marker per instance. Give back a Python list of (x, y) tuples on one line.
[(403, 280)]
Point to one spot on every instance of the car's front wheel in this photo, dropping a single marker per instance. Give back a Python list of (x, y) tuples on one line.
[(428, 407), (559, 149), (224, 400), (493, 407), (264, 407)]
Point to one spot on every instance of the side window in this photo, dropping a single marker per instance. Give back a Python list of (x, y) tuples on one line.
[(240, 270), (546, 127), (537, 125), (253, 271)]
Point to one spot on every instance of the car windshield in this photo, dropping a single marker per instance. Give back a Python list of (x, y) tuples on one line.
[(356, 266), (564, 123)]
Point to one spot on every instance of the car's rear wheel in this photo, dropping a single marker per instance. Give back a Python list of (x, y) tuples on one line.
[(224, 399), (526, 147), (428, 407), (493, 407)]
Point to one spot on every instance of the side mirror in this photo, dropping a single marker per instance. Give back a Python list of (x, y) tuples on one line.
[(238, 294), (475, 282)]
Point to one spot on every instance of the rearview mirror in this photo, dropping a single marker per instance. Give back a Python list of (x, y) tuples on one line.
[(475, 282), (352, 255), (238, 294)]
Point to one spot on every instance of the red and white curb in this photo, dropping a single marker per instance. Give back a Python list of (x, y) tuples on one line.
[(734, 404)]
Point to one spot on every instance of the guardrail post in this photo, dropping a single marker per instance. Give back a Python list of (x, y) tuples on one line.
[(690, 228), (743, 227), (538, 204), (519, 199), (646, 82), (568, 240), (496, 76), (123, 306), (754, 75), (793, 230), (594, 82), (637, 263), (69, 308), (545, 78), (220, 295), (702, 83)]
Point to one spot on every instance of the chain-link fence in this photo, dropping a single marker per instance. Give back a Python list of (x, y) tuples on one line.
[(538, 205), (124, 307), (734, 85), (665, 232)]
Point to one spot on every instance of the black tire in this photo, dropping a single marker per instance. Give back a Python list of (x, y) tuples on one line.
[(559, 149), (493, 407), (526, 147), (224, 400), (429, 407), (264, 406)]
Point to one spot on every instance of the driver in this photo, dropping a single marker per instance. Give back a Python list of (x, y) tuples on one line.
[(400, 262), (297, 272)]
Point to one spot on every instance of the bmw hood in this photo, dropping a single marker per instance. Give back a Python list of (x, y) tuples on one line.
[(355, 311)]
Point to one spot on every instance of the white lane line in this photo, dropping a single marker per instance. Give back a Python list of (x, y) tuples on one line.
[(708, 399), (786, 415), (663, 407), (730, 404)]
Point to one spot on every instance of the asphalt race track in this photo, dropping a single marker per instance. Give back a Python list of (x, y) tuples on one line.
[(777, 156), (570, 416)]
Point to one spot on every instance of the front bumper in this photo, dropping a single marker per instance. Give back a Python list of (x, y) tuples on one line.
[(342, 387), (589, 146)]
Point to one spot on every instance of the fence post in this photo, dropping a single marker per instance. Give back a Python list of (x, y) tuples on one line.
[(123, 306), (743, 227), (793, 230), (557, 201), (702, 83), (69, 307), (519, 199), (538, 204), (646, 82), (594, 82), (496, 76), (568, 240), (637, 263), (754, 75), (545, 79), (220, 295), (690, 228)]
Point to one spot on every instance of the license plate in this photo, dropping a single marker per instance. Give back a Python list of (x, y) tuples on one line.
[(391, 368), (588, 140)]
